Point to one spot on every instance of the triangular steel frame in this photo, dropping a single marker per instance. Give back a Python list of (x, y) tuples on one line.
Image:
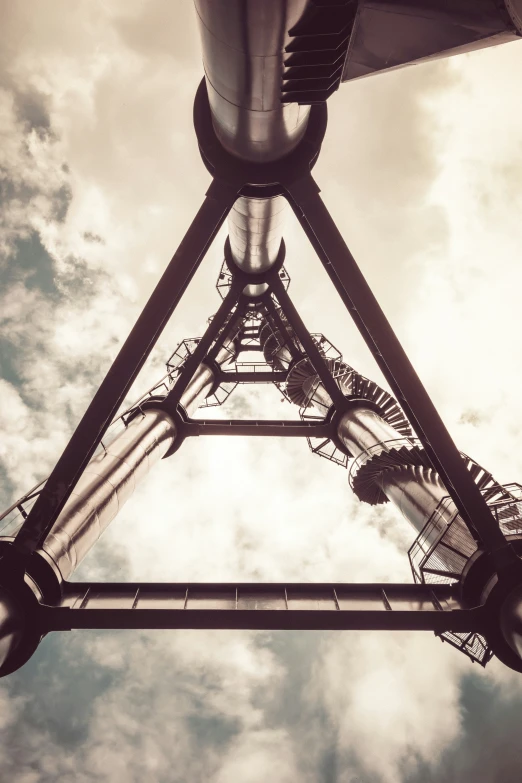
[(346, 606)]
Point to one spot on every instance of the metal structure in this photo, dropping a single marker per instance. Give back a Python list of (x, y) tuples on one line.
[(260, 118)]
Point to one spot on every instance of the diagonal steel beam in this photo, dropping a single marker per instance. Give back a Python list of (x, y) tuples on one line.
[(278, 323), (389, 354), (308, 343), (138, 345), (203, 347)]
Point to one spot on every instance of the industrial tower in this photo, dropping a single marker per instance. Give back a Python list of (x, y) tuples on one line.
[(260, 118)]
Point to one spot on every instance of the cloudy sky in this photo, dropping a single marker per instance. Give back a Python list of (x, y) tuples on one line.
[(100, 177)]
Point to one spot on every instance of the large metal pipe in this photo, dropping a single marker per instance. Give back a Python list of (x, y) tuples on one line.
[(255, 228), (511, 620), (243, 61), (105, 485), (12, 626), (416, 491), (243, 44), (111, 477)]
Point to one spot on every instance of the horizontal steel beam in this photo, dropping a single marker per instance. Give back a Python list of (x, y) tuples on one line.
[(253, 377), (258, 427), (261, 606)]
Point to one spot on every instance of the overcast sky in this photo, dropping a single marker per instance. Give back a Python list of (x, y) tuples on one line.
[(100, 178)]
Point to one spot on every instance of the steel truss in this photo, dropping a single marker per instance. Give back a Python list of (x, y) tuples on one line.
[(261, 606), (438, 608)]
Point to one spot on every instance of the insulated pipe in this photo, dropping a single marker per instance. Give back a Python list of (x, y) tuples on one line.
[(415, 491), (243, 45), (255, 228), (105, 485), (111, 477), (12, 626), (108, 481), (511, 620)]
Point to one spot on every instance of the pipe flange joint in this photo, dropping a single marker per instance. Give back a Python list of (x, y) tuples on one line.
[(254, 278), (257, 180)]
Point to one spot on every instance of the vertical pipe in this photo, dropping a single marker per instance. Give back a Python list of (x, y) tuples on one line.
[(415, 491), (111, 477), (12, 626), (395, 365), (255, 227), (125, 367), (243, 60)]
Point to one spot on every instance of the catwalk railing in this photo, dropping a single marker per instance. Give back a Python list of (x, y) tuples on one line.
[(439, 557)]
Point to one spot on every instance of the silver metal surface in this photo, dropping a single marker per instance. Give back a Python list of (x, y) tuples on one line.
[(316, 394), (417, 493), (12, 623), (511, 620), (112, 476), (200, 385), (255, 229), (106, 484), (361, 428), (243, 61)]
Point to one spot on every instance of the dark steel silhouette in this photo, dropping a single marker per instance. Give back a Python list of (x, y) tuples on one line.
[(260, 118)]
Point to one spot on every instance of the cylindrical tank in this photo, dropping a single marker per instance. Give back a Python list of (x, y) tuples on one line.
[(105, 485)]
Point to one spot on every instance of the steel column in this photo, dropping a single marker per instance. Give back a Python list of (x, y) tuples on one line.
[(277, 322)]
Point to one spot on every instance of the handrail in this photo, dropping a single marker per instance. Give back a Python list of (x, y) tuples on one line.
[(378, 448)]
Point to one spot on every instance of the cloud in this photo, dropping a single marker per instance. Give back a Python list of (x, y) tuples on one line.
[(381, 697), (101, 177)]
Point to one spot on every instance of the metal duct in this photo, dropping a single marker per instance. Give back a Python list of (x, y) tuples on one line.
[(243, 61), (255, 228), (111, 477), (416, 491), (243, 45)]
